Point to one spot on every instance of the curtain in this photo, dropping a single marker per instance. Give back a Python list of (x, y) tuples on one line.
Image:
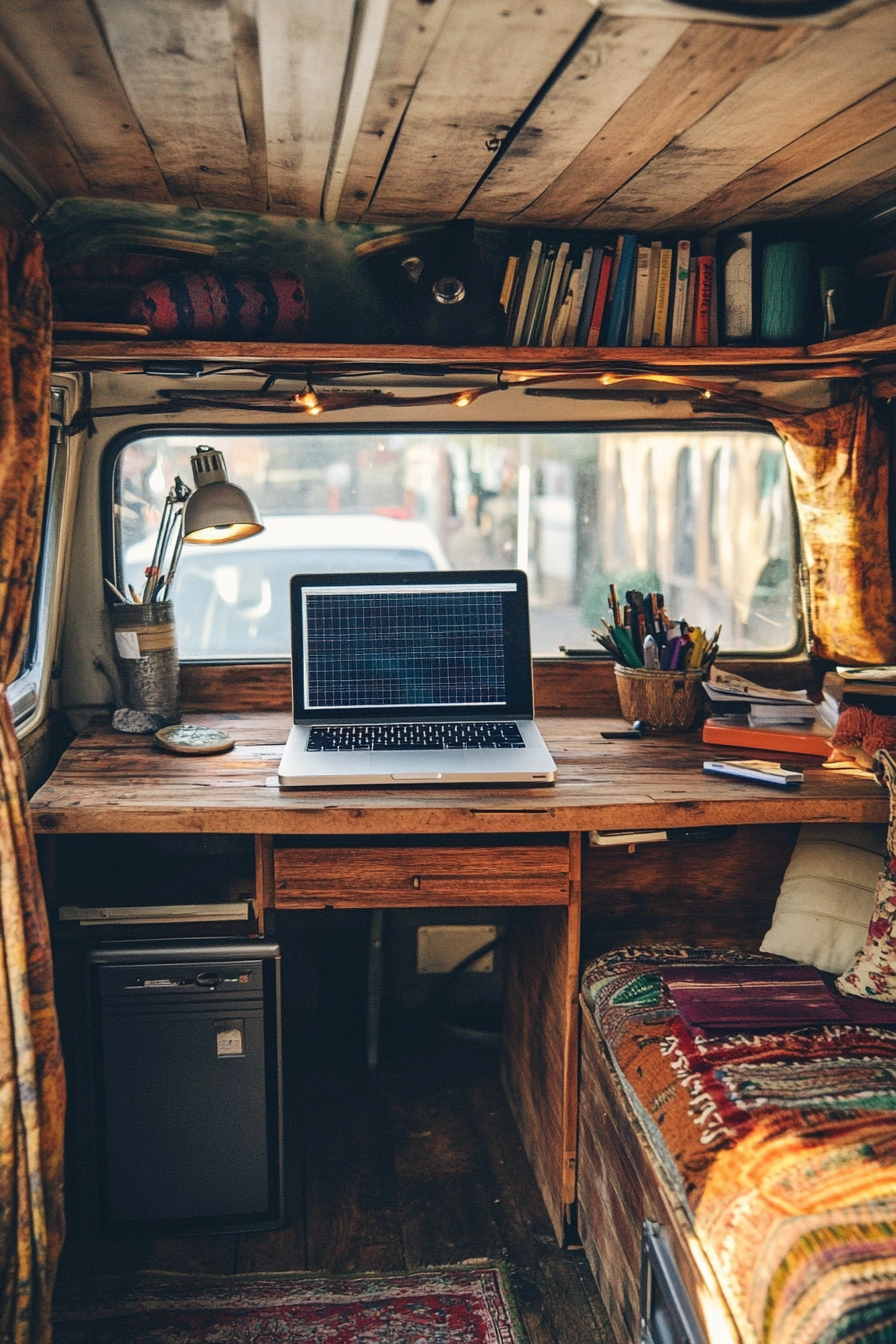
[(839, 463), (32, 1084)]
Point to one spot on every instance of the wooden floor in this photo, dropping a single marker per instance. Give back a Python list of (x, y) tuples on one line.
[(417, 1164)]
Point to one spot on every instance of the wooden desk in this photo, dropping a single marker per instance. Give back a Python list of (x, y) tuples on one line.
[(111, 783)]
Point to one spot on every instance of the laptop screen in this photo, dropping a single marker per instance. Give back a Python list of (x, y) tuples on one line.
[(391, 646)]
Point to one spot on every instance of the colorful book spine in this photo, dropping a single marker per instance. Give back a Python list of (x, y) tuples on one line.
[(639, 306), (656, 249), (579, 284), (688, 334), (703, 300), (622, 291), (680, 293), (588, 302), (601, 298), (519, 318), (663, 291)]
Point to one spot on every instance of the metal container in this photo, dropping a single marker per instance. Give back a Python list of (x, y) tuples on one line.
[(146, 649)]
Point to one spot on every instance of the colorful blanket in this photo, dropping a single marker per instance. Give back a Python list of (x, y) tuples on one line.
[(782, 1146)]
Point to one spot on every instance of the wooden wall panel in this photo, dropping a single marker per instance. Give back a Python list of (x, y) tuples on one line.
[(490, 60), (244, 29), (861, 193), (68, 61), (411, 31), (303, 50), (861, 122), (835, 180), (616, 57), (177, 65), (705, 63), (35, 136), (719, 893), (815, 76)]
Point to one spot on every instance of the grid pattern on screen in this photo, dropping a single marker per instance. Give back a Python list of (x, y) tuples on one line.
[(380, 650)]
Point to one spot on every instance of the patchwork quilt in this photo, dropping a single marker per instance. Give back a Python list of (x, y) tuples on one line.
[(781, 1144)]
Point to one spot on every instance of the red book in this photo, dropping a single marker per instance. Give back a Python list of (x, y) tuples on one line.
[(600, 299), (703, 303)]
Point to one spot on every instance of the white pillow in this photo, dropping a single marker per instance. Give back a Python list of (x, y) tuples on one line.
[(827, 895)]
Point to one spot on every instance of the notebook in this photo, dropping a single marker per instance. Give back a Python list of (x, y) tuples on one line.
[(412, 678)]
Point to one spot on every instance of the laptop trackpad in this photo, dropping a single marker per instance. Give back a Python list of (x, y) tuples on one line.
[(413, 765)]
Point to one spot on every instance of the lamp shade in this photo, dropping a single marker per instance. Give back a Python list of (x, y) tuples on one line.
[(217, 511)]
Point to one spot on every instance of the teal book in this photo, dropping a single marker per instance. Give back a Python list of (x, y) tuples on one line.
[(789, 295)]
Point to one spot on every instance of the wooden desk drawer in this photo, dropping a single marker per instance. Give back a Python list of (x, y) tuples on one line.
[(505, 875)]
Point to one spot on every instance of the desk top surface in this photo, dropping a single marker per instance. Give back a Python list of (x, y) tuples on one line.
[(112, 782)]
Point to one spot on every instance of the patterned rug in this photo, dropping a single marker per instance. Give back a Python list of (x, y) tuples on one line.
[(436, 1306)]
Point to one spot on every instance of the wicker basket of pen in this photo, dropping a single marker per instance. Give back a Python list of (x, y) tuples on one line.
[(665, 702)]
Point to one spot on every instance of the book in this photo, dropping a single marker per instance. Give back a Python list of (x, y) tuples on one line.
[(788, 295), (588, 299), (799, 740), (703, 300), (532, 334), (600, 299), (688, 333), (736, 277), (737, 692), (639, 304), (509, 279), (762, 714), (625, 274), (839, 692), (525, 293), (557, 276), (562, 302), (663, 291), (680, 290), (578, 285), (653, 280)]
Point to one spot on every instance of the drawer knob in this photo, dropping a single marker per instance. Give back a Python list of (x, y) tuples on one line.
[(415, 883)]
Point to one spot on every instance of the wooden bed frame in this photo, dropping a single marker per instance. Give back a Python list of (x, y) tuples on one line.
[(619, 1186)]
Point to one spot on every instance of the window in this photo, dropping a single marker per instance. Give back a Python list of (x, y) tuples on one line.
[(703, 516)]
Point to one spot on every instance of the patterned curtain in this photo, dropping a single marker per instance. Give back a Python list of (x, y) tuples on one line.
[(32, 1084), (840, 468)]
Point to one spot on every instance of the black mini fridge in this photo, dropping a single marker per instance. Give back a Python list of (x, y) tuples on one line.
[(188, 1084)]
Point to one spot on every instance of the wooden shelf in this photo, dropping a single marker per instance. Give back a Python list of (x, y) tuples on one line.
[(115, 354)]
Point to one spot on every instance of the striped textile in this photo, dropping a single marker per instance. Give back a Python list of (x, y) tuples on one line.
[(782, 1146)]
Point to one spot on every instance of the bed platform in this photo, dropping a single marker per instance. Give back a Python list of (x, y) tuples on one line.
[(765, 1164)]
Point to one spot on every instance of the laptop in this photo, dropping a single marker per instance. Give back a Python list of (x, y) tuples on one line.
[(412, 678)]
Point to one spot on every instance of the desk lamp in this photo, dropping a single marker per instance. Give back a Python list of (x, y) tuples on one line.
[(217, 511), (214, 513)]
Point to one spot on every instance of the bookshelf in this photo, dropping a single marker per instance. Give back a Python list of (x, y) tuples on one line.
[(843, 358)]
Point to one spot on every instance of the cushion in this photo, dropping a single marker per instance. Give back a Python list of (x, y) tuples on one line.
[(827, 896), (873, 973)]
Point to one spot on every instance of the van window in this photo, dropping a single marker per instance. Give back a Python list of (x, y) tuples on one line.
[(703, 516)]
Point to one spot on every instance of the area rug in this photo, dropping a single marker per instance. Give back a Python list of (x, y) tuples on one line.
[(437, 1306)]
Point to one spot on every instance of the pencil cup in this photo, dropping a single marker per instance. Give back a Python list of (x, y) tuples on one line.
[(667, 702), (146, 649)]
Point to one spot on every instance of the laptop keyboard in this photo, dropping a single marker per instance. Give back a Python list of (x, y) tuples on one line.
[(413, 736)]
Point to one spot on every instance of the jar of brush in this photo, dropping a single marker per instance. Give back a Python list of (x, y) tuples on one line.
[(659, 663)]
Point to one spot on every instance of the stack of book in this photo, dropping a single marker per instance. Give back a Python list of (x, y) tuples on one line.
[(661, 292), (758, 717), (872, 687)]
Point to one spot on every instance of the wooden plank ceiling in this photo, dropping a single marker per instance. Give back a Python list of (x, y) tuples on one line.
[(520, 112)]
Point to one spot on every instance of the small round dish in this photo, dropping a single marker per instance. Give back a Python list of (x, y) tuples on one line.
[(189, 739)]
